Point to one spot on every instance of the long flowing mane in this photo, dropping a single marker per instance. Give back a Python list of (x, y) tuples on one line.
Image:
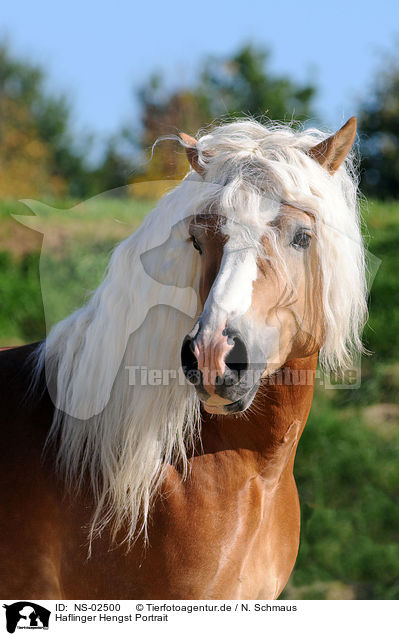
[(123, 434)]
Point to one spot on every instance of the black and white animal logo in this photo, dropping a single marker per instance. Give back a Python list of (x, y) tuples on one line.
[(26, 615)]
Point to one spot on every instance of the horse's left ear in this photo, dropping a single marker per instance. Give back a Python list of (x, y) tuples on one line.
[(192, 153), (331, 152)]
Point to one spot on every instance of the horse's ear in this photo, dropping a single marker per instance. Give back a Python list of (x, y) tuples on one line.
[(192, 153), (331, 152)]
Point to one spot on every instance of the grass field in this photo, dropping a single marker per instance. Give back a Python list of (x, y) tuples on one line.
[(347, 466)]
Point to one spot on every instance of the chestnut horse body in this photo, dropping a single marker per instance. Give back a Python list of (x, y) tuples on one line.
[(220, 518), (230, 530)]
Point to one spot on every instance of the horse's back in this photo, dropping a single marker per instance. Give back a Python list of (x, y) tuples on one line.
[(25, 414), (28, 501)]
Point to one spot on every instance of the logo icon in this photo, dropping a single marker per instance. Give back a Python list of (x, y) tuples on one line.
[(26, 615)]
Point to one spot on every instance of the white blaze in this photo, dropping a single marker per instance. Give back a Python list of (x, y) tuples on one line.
[(231, 293)]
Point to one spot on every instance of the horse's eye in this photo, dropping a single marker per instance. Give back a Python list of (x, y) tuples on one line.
[(196, 244), (301, 240)]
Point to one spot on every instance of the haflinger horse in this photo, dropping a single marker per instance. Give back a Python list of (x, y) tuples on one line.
[(149, 442)]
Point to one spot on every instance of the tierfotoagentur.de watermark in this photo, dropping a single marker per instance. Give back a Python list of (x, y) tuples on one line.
[(349, 379)]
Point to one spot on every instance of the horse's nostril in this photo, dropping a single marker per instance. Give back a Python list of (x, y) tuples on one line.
[(235, 362), (237, 357), (188, 360)]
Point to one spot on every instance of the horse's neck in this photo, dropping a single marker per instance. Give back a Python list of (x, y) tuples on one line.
[(266, 435)]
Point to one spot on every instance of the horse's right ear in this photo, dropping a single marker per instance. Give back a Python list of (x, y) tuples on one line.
[(331, 152), (192, 153)]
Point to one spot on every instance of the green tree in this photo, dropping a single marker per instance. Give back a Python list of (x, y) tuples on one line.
[(166, 113), (244, 84), (236, 85), (116, 165), (44, 121), (379, 132)]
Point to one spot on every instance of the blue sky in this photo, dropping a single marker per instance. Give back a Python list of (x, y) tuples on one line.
[(100, 52)]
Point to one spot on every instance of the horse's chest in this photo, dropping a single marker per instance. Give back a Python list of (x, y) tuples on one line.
[(217, 539), (230, 537)]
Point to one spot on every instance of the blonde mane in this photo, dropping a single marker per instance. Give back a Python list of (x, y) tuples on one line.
[(124, 434)]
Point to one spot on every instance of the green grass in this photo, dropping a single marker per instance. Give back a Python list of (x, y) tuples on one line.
[(99, 208), (21, 309), (347, 478), (78, 243), (347, 466), (382, 331)]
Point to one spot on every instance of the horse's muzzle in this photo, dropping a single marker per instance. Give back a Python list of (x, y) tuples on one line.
[(218, 366)]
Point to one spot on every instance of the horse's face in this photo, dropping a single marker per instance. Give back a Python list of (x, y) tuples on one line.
[(260, 308)]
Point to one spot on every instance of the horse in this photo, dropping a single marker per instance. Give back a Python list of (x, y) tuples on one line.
[(149, 441)]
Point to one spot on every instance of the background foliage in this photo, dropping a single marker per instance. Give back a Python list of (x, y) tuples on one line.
[(40, 156)]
